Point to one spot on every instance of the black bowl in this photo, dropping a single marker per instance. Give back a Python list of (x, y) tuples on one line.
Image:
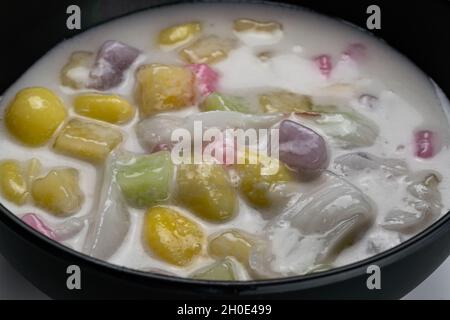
[(416, 29)]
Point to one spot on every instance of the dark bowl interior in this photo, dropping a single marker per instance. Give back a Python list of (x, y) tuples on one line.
[(416, 29)]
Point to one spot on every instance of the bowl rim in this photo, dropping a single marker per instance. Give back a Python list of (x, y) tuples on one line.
[(381, 259)]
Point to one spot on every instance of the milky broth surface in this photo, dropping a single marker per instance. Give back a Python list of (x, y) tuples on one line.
[(407, 101)]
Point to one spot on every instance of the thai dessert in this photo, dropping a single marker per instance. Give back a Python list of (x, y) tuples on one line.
[(206, 142)]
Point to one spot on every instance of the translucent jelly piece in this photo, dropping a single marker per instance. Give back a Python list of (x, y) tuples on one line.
[(110, 219), (345, 130), (246, 25), (58, 192), (164, 88), (302, 148), (207, 191), (259, 188), (401, 220), (418, 197), (145, 180), (423, 204), (206, 78), (113, 59), (87, 140), (13, 182), (157, 130), (69, 228), (358, 162), (64, 231), (172, 236), (221, 102), (210, 49), (424, 185), (34, 221), (285, 102), (256, 33), (34, 115), (317, 218), (75, 73), (314, 229), (179, 34), (110, 108), (220, 271), (231, 243)]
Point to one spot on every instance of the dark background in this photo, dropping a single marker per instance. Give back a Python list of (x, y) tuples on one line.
[(29, 28)]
